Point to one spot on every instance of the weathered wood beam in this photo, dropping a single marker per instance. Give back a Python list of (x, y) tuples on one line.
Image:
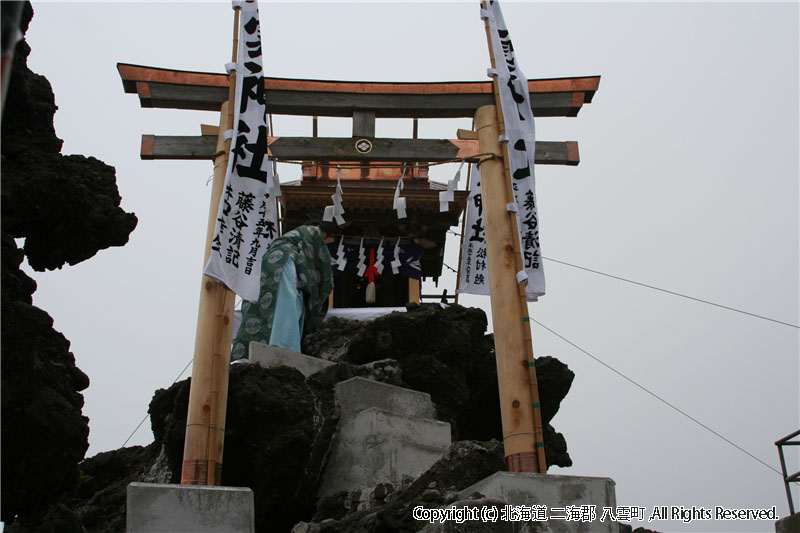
[(343, 149), (163, 88), (178, 147), (363, 124)]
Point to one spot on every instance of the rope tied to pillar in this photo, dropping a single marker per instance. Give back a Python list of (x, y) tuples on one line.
[(505, 437), (483, 158)]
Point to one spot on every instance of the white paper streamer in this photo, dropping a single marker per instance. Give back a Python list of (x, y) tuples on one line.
[(362, 259), (445, 197), (396, 261), (341, 260), (399, 203), (336, 210), (274, 182), (379, 257)]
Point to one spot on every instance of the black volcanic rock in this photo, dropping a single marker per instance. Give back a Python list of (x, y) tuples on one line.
[(44, 433), (278, 429), (66, 208), (101, 496)]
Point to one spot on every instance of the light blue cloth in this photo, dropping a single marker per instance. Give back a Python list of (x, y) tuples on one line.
[(290, 311), (309, 274)]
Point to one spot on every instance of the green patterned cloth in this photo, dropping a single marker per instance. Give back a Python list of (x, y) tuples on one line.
[(305, 245)]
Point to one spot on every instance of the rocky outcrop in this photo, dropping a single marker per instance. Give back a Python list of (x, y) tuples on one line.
[(277, 433), (280, 424), (446, 353), (44, 433), (66, 208)]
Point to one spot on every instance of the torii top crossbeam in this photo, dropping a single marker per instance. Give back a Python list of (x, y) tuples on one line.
[(179, 89)]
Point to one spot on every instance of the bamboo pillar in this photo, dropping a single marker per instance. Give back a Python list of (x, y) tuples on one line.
[(208, 395), (510, 337)]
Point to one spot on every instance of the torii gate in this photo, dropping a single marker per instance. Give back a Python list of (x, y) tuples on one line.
[(364, 102)]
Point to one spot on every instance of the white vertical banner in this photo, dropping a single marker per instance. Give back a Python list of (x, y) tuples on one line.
[(474, 275), (521, 139), (247, 218)]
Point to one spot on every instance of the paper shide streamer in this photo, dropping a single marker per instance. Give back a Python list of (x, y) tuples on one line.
[(396, 261), (362, 259), (336, 210), (341, 260), (399, 203), (445, 197)]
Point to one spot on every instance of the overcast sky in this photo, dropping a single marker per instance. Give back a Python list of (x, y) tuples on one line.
[(688, 181)]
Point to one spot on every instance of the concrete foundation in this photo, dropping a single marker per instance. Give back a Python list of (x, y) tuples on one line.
[(556, 493), (155, 508), (268, 356), (358, 394), (385, 433), (788, 524)]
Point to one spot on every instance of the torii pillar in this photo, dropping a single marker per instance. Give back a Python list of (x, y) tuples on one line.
[(519, 398)]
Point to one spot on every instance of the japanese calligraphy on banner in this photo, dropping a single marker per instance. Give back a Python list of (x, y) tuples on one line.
[(247, 218), (520, 136), (474, 275)]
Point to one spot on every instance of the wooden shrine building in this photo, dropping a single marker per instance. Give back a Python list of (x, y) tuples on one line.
[(370, 166)]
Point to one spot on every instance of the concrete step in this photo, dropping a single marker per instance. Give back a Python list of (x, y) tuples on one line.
[(556, 493), (268, 356), (158, 508), (385, 432), (358, 394), (375, 446)]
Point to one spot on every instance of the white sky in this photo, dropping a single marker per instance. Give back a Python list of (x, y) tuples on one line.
[(688, 181)]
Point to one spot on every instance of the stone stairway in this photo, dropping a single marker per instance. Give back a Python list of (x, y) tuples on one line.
[(267, 356), (385, 432)]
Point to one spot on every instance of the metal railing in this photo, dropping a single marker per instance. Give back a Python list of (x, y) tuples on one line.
[(793, 478)]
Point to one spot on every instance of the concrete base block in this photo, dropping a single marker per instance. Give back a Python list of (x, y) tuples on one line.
[(556, 493), (268, 356), (788, 524), (155, 508), (357, 394), (376, 446)]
